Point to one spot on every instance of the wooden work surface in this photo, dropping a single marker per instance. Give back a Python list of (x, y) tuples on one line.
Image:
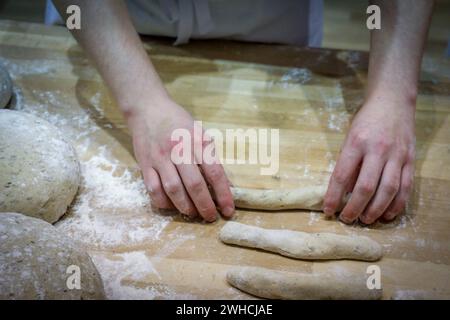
[(146, 254)]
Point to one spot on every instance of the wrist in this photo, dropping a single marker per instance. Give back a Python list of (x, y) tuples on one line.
[(399, 97), (151, 101)]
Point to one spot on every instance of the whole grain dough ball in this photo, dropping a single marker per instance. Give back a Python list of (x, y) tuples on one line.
[(38, 262), (5, 87), (39, 169)]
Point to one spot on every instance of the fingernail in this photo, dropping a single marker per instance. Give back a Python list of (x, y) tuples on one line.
[(328, 211), (344, 220), (228, 211), (363, 219)]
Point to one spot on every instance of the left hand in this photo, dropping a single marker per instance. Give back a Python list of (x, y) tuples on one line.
[(376, 163)]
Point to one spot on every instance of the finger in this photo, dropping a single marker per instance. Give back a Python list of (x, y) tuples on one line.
[(365, 188), (346, 166), (174, 189), (398, 204), (386, 191), (156, 191), (215, 175), (352, 180), (198, 191)]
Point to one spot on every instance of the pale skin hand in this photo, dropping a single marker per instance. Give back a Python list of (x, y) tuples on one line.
[(114, 46), (377, 159), (379, 152), (183, 186)]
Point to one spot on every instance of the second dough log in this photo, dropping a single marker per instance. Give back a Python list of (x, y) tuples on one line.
[(302, 245)]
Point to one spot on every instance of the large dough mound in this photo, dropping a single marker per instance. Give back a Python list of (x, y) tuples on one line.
[(34, 258), (39, 169), (5, 87)]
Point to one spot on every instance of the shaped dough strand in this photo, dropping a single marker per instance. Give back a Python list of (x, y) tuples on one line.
[(302, 245), (308, 198), (272, 284)]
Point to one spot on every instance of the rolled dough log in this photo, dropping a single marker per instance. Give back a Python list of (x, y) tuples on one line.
[(272, 284), (302, 245), (5, 87), (39, 170), (34, 261), (308, 198)]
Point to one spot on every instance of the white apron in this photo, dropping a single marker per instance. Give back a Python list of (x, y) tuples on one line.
[(297, 22)]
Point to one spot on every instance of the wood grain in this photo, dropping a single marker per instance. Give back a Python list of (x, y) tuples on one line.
[(237, 85)]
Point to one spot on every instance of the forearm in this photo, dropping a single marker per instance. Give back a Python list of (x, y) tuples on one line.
[(110, 40), (396, 50)]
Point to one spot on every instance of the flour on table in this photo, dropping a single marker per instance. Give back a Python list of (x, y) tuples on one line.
[(112, 207), (296, 76), (31, 67), (292, 78), (313, 217), (95, 102), (410, 295), (120, 193), (131, 266), (176, 239), (338, 121)]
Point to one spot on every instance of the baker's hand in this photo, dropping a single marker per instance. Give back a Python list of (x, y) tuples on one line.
[(183, 186), (376, 163)]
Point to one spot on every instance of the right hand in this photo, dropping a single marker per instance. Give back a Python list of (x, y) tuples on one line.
[(183, 186)]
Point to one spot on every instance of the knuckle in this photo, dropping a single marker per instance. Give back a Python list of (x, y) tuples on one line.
[(366, 188), (158, 201), (340, 177), (172, 188), (195, 185), (215, 174), (403, 152), (390, 187), (358, 140), (383, 145), (153, 187)]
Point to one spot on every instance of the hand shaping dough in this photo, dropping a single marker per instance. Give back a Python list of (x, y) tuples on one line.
[(39, 170), (309, 198), (272, 284), (302, 245), (34, 258), (5, 87)]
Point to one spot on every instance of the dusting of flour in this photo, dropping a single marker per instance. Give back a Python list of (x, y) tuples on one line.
[(112, 207)]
